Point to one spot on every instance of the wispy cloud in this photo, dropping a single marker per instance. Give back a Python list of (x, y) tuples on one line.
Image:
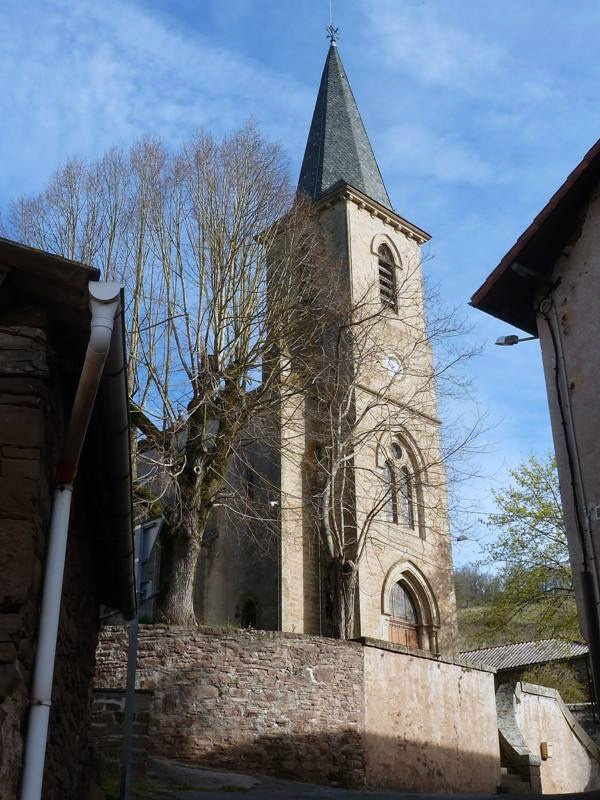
[(417, 39), (79, 76), (416, 151)]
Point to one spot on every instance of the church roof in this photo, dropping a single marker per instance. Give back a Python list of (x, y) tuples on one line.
[(338, 150)]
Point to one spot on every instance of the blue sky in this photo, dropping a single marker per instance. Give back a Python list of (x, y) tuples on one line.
[(477, 111)]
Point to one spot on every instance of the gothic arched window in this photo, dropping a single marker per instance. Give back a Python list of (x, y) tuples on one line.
[(387, 276), (391, 494), (398, 485), (406, 498), (403, 623)]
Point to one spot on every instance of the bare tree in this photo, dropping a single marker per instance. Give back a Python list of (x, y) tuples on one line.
[(209, 242), (230, 327)]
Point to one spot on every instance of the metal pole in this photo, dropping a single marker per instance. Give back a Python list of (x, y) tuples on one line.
[(132, 650)]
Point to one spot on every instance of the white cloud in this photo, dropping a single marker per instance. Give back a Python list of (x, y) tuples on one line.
[(416, 39), (412, 150)]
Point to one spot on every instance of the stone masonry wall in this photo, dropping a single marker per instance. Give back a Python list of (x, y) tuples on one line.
[(30, 432), (108, 714), (256, 701), (358, 713)]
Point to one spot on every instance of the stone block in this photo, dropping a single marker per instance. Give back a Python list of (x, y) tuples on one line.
[(10, 625), (8, 652), (22, 426), (17, 546), (9, 679)]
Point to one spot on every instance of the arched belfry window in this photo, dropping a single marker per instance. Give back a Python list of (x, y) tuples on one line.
[(387, 276)]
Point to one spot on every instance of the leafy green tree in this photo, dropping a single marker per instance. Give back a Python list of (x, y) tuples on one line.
[(530, 551), (562, 677)]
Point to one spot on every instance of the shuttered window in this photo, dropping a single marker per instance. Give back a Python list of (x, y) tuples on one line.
[(387, 276)]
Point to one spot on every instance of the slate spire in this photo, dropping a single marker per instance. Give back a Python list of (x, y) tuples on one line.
[(338, 148)]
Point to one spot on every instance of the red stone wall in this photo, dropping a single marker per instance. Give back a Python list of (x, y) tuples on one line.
[(254, 701), (30, 432), (108, 715)]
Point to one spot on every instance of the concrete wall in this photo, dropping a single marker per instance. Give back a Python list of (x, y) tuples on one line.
[(575, 762), (31, 423), (344, 713), (430, 725)]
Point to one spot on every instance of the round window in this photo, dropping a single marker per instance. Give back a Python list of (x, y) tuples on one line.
[(393, 365)]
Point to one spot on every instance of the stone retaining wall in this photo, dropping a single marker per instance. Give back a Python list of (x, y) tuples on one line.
[(106, 734), (310, 708), (252, 701)]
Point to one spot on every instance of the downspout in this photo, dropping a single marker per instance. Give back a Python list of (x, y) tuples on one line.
[(104, 305)]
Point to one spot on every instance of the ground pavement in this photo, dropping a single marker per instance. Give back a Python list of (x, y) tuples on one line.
[(169, 780)]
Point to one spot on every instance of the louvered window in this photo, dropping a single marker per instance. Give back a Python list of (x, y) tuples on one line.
[(387, 276)]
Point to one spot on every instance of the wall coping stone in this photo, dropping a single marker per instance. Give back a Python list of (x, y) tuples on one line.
[(361, 641), (381, 644)]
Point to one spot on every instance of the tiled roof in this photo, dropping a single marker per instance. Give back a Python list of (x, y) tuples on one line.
[(522, 654), (338, 150)]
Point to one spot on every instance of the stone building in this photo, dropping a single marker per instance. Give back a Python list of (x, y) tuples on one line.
[(405, 581), (44, 332), (547, 286)]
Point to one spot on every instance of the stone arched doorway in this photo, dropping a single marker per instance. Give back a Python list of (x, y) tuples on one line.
[(409, 609)]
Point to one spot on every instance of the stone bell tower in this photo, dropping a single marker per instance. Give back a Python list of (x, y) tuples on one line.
[(406, 586)]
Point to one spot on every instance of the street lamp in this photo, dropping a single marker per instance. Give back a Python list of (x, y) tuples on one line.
[(508, 341)]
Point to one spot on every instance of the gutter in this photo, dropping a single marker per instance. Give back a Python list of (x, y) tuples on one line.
[(103, 348)]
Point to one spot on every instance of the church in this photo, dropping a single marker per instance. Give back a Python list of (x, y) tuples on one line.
[(270, 567)]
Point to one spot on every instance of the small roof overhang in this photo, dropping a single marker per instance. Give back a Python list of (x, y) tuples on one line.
[(511, 296)]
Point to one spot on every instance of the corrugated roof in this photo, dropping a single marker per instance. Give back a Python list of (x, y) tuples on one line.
[(522, 654), (338, 149)]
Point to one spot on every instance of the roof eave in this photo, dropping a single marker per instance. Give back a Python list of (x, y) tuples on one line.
[(346, 191), (509, 297)]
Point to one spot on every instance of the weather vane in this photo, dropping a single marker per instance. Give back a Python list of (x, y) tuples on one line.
[(332, 33)]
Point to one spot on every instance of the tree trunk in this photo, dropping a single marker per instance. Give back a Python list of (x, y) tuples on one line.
[(176, 604), (178, 566), (343, 577)]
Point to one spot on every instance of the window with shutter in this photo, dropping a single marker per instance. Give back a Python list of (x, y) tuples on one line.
[(387, 276)]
